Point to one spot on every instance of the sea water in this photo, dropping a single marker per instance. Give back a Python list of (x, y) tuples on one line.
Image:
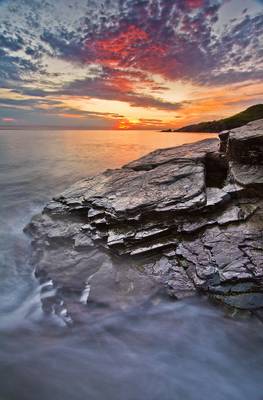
[(184, 350)]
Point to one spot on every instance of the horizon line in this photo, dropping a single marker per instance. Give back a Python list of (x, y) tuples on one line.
[(54, 127)]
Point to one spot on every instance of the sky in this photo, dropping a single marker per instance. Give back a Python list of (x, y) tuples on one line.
[(128, 64)]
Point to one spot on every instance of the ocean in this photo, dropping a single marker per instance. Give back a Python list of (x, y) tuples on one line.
[(185, 350)]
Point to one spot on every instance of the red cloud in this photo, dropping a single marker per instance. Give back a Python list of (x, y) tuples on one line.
[(195, 3), (123, 84), (125, 48), (129, 47), (122, 45)]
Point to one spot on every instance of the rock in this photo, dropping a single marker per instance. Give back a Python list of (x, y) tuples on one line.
[(244, 301), (216, 196), (194, 152), (119, 286), (185, 220), (245, 144), (223, 136), (121, 193), (247, 175)]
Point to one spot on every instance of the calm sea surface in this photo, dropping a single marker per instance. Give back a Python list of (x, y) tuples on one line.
[(186, 350)]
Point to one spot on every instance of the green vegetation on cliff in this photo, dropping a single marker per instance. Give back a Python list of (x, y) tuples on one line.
[(250, 114)]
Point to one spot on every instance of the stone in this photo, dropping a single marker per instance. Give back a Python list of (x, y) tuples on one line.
[(247, 175), (245, 144), (244, 301), (194, 152), (216, 196), (223, 136), (179, 220), (118, 287), (122, 192)]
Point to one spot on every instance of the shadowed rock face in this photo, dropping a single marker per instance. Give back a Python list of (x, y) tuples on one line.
[(179, 220)]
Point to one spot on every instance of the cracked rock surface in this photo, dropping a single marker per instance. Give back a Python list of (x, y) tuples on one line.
[(179, 220)]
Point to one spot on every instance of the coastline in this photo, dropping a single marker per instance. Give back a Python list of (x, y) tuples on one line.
[(185, 219)]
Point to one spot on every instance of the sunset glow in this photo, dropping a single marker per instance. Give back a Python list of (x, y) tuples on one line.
[(155, 65)]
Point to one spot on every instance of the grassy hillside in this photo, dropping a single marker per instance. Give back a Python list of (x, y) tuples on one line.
[(250, 114)]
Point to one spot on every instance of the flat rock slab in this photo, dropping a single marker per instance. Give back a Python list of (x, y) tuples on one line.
[(179, 220), (123, 192), (194, 152)]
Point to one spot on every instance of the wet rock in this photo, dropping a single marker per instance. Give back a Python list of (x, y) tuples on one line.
[(244, 301), (119, 286), (183, 219)]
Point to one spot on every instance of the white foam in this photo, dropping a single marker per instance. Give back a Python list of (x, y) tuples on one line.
[(85, 294)]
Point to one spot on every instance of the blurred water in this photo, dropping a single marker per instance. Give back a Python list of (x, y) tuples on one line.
[(171, 350)]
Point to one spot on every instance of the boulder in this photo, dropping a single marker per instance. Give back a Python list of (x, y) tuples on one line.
[(245, 144), (178, 221)]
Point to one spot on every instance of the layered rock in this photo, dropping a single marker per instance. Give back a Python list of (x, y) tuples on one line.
[(185, 219)]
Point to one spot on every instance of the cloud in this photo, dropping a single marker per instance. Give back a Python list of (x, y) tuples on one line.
[(132, 44), (13, 43), (177, 42), (120, 86)]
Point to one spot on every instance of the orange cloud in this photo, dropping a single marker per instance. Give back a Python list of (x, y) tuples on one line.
[(128, 123), (71, 115)]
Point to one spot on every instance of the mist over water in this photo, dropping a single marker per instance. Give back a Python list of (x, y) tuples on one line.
[(167, 350)]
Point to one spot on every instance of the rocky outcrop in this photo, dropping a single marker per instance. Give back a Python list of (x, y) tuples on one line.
[(184, 220)]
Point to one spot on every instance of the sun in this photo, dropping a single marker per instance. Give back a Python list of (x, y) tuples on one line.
[(123, 124), (127, 123), (134, 121)]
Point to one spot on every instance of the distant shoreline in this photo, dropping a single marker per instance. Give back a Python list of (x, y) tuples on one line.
[(252, 113)]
